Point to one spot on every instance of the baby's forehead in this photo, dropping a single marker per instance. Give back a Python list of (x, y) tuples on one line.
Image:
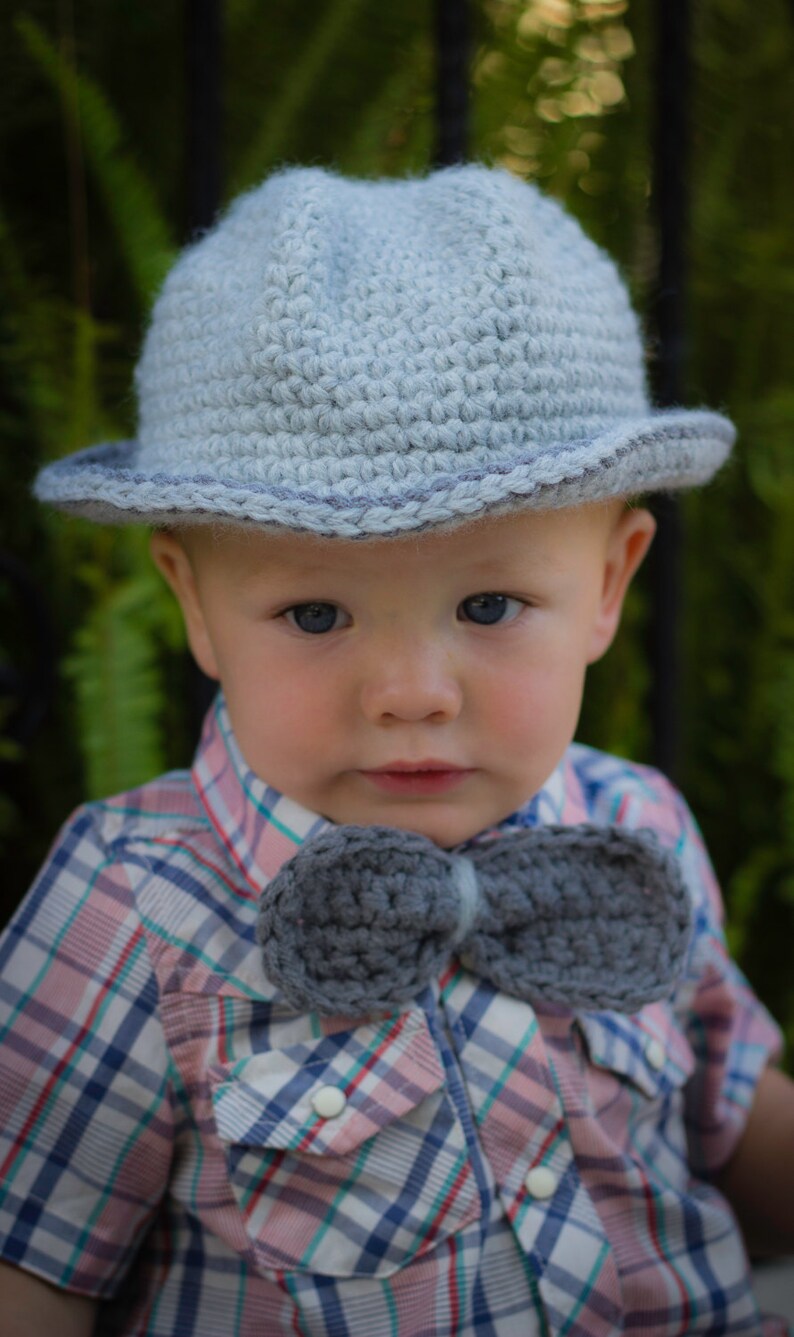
[(254, 550)]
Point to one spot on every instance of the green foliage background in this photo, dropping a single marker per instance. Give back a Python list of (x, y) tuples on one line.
[(92, 109)]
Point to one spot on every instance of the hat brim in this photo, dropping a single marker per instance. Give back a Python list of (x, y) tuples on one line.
[(668, 449)]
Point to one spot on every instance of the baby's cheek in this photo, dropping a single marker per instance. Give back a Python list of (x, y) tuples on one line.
[(280, 719), (311, 719), (538, 710)]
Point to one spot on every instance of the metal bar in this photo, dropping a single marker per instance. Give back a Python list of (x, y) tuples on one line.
[(670, 198), (453, 63), (204, 119), (31, 687), (203, 188)]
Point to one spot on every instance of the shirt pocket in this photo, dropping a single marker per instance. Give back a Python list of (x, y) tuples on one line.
[(638, 1070), (345, 1152), (646, 1053)]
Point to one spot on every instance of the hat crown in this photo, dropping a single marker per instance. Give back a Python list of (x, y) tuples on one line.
[(331, 330), (362, 358)]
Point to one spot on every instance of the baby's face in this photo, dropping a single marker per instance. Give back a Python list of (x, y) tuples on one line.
[(430, 683)]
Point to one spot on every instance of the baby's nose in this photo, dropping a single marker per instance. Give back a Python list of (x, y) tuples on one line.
[(412, 682)]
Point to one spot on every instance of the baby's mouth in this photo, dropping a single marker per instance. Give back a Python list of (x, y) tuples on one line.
[(422, 777)]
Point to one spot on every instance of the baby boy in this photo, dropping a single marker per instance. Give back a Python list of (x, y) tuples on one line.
[(400, 1013)]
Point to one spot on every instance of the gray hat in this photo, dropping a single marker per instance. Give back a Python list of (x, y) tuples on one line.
[(363, 358)]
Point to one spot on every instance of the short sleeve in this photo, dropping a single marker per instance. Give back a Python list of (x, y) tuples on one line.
[(85, 1105), (729, 1030)]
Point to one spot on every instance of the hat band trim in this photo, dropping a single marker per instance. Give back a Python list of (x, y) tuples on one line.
[(56, 478)]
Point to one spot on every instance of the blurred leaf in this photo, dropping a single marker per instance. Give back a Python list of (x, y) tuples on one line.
[(144, 236), (300, 82), (115, 666)]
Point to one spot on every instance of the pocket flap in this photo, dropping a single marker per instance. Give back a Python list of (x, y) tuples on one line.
[(375, 1074), (647, 1049)]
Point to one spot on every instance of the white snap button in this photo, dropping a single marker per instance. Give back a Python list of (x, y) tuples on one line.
[(329, 1102), (654, 1053), (541, 1182)]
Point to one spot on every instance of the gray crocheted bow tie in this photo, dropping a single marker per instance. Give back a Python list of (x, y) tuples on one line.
[(362, 918)]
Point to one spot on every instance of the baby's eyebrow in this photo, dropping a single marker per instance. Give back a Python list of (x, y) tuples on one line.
[(512, 568), (280, 580)]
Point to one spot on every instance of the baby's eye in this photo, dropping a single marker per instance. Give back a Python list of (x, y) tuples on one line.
[(315, 618), (485, 609)]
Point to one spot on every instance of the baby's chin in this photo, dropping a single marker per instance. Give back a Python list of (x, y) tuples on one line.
[(446, 828)]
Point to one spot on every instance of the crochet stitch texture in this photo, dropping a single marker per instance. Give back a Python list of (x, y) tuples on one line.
[(367, 357), (361, 919)]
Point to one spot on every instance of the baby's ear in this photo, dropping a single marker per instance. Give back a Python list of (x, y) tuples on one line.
[(627, 543), (170, 557)]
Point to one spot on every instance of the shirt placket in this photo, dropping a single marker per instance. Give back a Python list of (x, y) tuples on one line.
[(514, 1088)]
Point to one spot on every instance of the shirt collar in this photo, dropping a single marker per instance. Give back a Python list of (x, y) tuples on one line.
[(260, 828)]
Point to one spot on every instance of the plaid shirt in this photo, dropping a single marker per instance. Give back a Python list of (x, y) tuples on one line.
[(496, 1168)]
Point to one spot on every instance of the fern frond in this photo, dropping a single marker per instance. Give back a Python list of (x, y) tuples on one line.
[(117, 686), (299, 85), (115, 666), (143, 233), (35, 341), (383, 133)]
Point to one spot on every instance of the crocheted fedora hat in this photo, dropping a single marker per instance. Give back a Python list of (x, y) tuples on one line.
[(362, 358)]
